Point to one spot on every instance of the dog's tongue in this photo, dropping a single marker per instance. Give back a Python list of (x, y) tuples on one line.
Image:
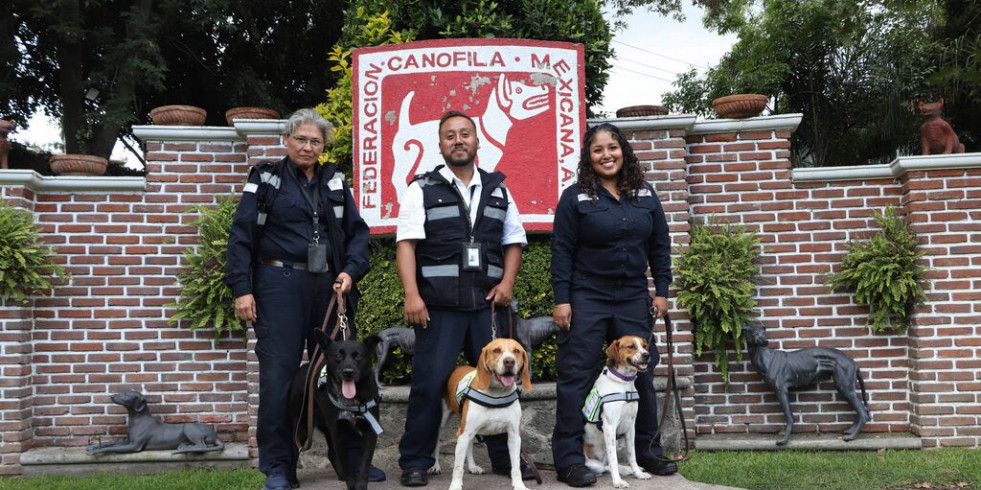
[(506, 379), (348, 389)]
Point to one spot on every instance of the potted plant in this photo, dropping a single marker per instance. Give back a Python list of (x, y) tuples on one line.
[(178, 115), (884, 273), (642, 111), (249, 113), (739, 106), (77, 164), (26, 267), (716, 283)]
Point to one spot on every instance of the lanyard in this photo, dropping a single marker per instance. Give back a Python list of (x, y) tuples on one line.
[(466, 205), (314, 202)]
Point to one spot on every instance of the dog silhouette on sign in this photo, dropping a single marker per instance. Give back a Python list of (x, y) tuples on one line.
[(416, 146)]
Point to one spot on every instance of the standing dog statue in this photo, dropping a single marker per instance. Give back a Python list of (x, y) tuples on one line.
[(146, 432), (345, 406), (784, 370), (611, 410), (393, 337), (486, 398)]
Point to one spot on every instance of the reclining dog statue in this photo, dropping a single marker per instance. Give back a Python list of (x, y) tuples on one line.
[(146, 432), (783, 370)]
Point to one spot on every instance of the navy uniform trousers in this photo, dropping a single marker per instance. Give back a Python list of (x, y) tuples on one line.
[(602, 311), (436, 352), (290, 304)]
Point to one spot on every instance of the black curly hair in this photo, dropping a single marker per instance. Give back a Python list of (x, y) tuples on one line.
[(630, 178)]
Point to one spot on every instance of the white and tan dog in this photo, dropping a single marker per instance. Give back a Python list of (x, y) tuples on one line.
[(489, 405), (613, 403)]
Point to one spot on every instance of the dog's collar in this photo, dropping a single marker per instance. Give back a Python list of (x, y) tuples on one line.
[(465, 391), (621, 376), (362, 410)]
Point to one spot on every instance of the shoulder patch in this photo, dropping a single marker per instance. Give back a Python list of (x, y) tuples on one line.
[(584, 197), (336, 182), (645, 192), (497, 192)]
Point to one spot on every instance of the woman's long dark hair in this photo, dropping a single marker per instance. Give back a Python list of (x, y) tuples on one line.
[(630, 178)]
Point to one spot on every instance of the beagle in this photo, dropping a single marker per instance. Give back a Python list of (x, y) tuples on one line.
[(486, 398), (611, 410)]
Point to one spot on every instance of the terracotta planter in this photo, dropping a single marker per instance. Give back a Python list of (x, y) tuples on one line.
[(739, 106), (249, 113), (178, 115), (642, 111), (76, 164)]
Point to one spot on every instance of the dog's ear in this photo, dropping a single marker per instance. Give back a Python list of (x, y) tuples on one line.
[(483, 379), (526, 372), (613, 351), (372, 342), (323, 340), (140, 405)]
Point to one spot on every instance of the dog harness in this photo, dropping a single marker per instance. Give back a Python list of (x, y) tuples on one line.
[(465, 391), (359, 410), (593, 408)]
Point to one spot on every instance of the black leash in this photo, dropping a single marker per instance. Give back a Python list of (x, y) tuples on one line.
[(671, 391)]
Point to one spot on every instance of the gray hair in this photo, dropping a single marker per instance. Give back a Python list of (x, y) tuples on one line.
[(308, 116)]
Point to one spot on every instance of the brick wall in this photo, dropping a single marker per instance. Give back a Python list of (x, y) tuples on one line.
[(123, 238)]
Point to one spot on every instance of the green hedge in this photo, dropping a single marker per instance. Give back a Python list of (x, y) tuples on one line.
[(382, 301)]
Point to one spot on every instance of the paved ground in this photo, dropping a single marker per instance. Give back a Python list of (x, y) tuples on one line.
[(387, 461)]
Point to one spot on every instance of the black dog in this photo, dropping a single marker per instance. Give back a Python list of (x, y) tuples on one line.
[(146, 432), (345, 404), (783, 370), (391, 338), (532, 331)]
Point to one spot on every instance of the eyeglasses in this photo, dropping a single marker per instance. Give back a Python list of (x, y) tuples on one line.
[(303, 141)]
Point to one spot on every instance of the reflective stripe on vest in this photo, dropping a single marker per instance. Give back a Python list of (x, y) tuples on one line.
[(443, 212), (594, 403), (440, 271), (494, 213), (464, 391)]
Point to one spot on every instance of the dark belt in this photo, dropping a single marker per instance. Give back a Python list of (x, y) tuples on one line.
[(300, 266)]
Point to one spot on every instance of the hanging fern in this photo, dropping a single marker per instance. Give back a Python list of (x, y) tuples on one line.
[(205, 300), (716, 286), (26, 268), (884, 273)]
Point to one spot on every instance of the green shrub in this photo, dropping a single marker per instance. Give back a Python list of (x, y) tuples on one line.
[(205, 300), (884, 273), (716, 286), (26, 268)]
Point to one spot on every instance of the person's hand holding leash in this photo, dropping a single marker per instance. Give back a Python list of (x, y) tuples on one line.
[(660, 306), (245, 308), (501, 294), (562, 316), (343, 283)]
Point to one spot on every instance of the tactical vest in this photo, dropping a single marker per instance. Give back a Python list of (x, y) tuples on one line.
[(271, 178), (442, 280)]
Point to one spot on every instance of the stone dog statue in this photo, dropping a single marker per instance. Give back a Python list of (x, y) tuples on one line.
[(783, 370), (146, 432), (936, 135), (529, 332)]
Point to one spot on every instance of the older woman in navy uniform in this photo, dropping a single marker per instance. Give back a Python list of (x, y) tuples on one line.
[(609, 228), (296, 239)]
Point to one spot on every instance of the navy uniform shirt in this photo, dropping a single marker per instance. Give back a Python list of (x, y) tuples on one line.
[(289, 227), (609, 240)]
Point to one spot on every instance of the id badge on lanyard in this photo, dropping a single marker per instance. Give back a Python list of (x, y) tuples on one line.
[(473, 258)]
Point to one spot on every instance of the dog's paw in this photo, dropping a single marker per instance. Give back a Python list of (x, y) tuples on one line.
[(642, 475), (518, 486), (620, 484), (456, 485), (475, 470), (435, 469)]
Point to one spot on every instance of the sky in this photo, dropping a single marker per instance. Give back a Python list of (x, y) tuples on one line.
[(649, 54)]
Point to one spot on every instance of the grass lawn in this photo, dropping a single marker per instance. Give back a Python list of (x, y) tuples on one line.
[(945, 469), (941, 469)]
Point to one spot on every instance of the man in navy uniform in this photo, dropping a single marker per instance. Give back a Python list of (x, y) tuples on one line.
[(296, 239), (459, 250)]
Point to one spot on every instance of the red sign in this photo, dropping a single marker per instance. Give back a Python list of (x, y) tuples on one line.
[(527, 100)]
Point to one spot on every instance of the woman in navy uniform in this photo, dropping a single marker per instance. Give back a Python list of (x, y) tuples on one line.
[(296, 239), (609, 228)]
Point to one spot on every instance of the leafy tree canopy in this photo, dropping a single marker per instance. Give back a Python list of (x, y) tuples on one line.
[(101, 65), (854, 69)]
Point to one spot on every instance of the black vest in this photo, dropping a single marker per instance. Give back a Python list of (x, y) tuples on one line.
[(442, 280)]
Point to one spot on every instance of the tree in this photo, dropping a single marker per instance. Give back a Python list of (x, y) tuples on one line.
[(853, 69), (100, 65)]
